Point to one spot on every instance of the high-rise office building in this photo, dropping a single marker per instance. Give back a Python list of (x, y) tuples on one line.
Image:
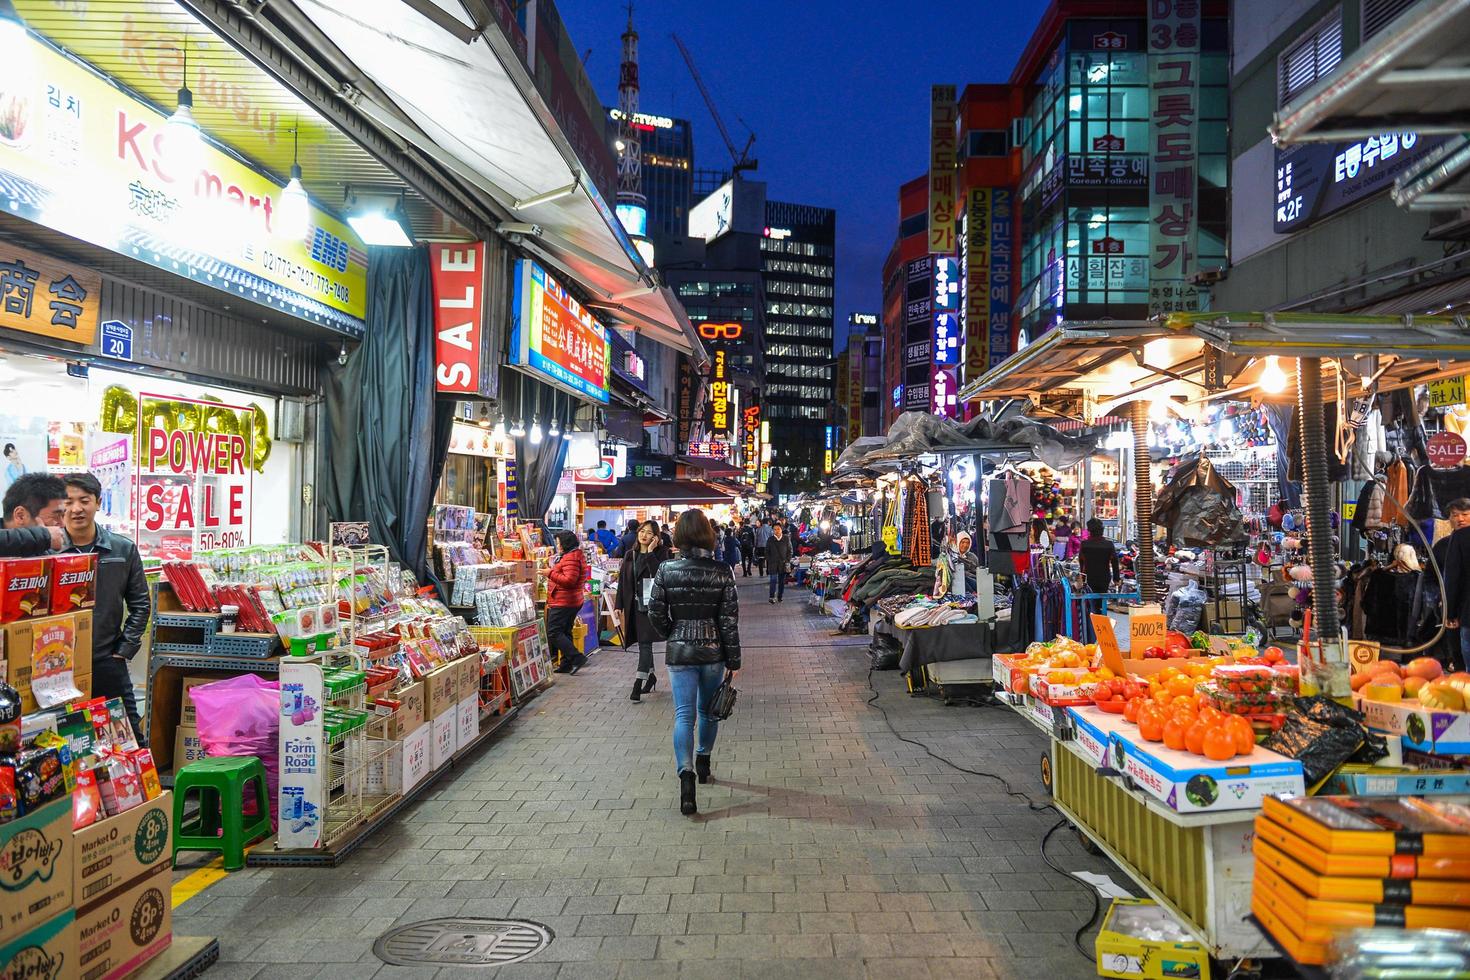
[(667, 156), (797, 262)]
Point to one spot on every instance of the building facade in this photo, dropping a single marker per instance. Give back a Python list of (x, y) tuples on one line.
[(907, 314), (667, 146), (1313, 228)]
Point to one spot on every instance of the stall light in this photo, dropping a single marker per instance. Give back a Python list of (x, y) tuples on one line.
[(484, 420), (498, 433), (1158, 410), (181, 134), (377, 227), (536, 431), (518, 428), (1225, 430), (554, 431), (12, 31), (293, 214), (1273, 379)]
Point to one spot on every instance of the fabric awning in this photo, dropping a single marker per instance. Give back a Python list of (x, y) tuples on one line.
[(635, 493), (474, 108), (1411, 77)]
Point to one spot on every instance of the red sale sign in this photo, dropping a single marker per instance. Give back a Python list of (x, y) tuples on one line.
[(458, 275), (194, 478)]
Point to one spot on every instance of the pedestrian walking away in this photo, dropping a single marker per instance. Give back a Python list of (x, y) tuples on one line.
[(778, 562), (564, 600), (731, 544), (747, 547), (694, 603), (635, 586), (762, 538)]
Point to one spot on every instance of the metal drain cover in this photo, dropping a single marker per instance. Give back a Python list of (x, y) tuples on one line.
[(462, 942)]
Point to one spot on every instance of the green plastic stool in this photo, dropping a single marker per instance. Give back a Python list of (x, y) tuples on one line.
[(219, 784)]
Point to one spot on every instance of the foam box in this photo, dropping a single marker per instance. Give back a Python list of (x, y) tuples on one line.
[(1190, 783), (1350, 780)]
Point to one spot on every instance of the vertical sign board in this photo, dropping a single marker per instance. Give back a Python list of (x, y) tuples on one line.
[(978, 247), (1173, 82), (457, 272), (719, 394), (831, 444), (942, 174), (301, 794), (1000, 275), (193, 487), (686, 404), (946, 308), (855, 390), (750, 443)]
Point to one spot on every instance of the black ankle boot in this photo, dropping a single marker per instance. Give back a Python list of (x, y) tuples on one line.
[(651, 683), (637, 690), (687, 805), (701, 766)]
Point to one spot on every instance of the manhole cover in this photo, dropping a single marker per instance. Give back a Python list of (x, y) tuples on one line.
[(462, 942)]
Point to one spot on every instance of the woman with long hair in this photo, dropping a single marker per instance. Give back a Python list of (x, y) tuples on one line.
[(694, 604), (635, 585), (564, 598)]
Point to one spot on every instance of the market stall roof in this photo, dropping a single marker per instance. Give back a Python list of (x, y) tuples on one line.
[(461, 93), (1086, 369), (633, 493), (1410, 77)]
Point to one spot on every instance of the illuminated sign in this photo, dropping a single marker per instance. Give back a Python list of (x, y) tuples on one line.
[(977, 281), (711, 449), (1000, 275), (712, 217), (719, 393), (943, 180), (1315, 179), (778, 233), (751, 432), (863, 319), (946, 304), (1173, 198), (633, 218), (685, 424), (86, 159), (633, 365), (457, 275), (721, 331), (555, 338), (643, 119), (897, 395), (831, 449), (942, 393)]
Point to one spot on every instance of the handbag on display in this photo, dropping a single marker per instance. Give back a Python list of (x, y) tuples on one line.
[(723, 702)]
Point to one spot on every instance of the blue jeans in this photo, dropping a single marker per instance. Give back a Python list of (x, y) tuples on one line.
[(778, 586), (693, 685)]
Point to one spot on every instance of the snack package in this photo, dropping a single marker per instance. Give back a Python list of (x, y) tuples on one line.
[(51, 740), (120, 784), (86, 800), (9, 800), (39, 779), (147, 773), (73, 582), (24, 588)]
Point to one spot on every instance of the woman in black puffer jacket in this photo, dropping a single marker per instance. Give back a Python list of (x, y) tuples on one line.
[(695, 605)]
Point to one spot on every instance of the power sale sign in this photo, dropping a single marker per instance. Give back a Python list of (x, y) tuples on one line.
[(194, 484)]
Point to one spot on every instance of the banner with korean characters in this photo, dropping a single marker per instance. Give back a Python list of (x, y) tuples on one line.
[(85, 158), (1174, 109), (40, 295), (943, 178)]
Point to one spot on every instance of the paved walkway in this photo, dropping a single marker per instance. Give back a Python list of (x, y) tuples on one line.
[(828, 848)]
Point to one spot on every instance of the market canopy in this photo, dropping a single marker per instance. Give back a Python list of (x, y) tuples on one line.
[(462, 94), (645, 493), (915, 434), (1411, 77)]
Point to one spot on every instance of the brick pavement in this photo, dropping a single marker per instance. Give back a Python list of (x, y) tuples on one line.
[(827, 848)]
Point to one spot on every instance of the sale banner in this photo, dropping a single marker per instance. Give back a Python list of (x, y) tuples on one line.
[(194, 475)]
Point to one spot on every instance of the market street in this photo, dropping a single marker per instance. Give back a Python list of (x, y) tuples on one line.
[(827, 848)]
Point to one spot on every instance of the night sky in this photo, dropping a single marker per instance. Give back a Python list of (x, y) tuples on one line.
[(837, 94)]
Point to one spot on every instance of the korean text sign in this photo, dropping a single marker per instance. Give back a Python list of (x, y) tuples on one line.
[(943, 178), (1173, 82), (556, 337), (194, 477), (458, 276), (42, 296), (89, 160)]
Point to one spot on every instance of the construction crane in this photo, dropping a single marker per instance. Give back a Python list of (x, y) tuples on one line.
[(741, 159)]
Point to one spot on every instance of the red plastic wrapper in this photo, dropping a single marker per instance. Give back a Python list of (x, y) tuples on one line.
[(24, 588)]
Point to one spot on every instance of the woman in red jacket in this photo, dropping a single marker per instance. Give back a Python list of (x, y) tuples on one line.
[(564, 598)]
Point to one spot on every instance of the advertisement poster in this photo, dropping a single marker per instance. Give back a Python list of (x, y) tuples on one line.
[(193, 487), (22, 449), (86, 159), (555, 337), (111, 462), (303, 757), (943, 178)]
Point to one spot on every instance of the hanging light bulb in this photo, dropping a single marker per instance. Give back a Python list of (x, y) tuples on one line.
[(536, 431), (182, 138), (554, 431), (293, 214), (14, 47), (498, 432), (1158, 410), (1273, 379), (484, 417), (518, 428)]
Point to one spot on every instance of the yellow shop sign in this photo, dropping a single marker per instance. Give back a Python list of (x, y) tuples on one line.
[(80, 155)]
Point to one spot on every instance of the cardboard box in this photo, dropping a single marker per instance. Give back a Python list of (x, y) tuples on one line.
[(187, 747), (441, 691), (186, 703), (467, 722), (469, 677), (415, 765), (117, 850), (25, 588), (20, 640), (1358, 780), (1437, 732), (443, 739), (73, 583), (1092, 733), (1060, 695), (1006, 674), (1120, 954), (47, 951), (1190, 783), (411, 710), (36, 860), (127, 927)]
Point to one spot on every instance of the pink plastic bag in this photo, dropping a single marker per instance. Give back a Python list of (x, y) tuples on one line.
[(241, 716)]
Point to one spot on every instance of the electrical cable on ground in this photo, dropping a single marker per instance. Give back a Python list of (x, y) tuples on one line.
[(1013, 792)]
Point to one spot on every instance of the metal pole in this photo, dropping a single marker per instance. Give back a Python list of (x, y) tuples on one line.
[(1143, 501), (1316, 492)]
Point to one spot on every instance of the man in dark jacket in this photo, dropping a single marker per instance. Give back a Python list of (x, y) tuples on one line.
[(120, 583), (778, 561), (747, 546), (1453, 554), (32, 516)]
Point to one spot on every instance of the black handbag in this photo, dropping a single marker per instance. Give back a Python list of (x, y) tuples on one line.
[(723, 703)]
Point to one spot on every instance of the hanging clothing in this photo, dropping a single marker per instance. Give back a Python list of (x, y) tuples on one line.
[(1010, 503), (1396, 495)]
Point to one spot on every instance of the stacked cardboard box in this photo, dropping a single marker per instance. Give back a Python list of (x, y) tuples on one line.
[(1326, 864)]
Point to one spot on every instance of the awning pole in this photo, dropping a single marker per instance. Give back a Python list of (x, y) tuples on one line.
[(1334, 681), (1143, 500)]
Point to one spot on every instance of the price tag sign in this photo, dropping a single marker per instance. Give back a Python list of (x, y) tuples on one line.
[(1446, 392), (1362, 654), (1349, 511), (1107, 642), (1144, 631)]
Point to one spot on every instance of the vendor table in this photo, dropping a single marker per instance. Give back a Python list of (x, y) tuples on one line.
[(1198, 865), (957, 641)]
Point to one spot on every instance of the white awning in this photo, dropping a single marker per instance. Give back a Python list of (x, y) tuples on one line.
[(1412, 77), (478, 105)]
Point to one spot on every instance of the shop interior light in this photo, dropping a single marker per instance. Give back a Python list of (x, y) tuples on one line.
[(293, 215), (1273, 379), (1158, 410), (379, 220), (181, 134), (555, 430), (536, 431), (517, 428), (484, 420), (12, 30)]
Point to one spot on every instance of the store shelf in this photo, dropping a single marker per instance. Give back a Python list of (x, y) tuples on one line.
[(204, 661), (349, 836)]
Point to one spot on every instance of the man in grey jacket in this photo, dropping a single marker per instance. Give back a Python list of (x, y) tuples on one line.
[(762, 538), (120, 583)]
